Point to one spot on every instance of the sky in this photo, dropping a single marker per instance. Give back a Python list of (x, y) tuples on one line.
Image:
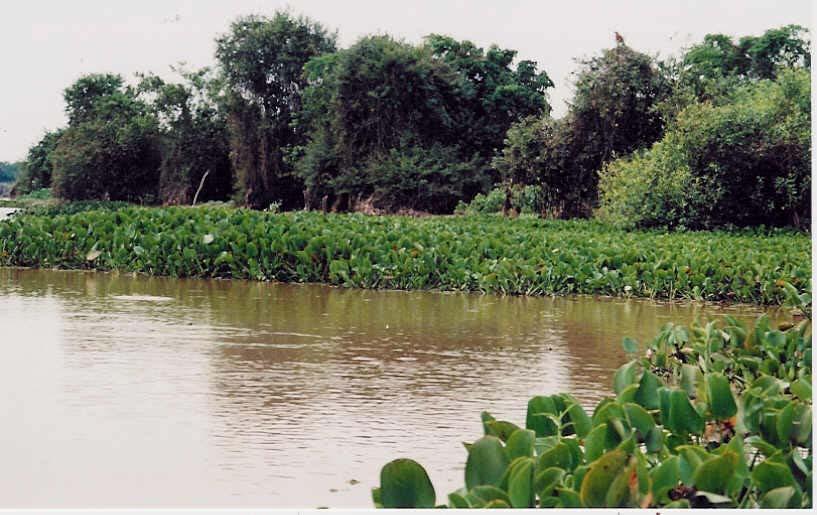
[(46, 45)]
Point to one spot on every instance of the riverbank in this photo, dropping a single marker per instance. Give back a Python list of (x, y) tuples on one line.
[(525, 256)]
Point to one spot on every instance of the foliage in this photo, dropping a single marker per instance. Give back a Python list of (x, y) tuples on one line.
[(718, 415), (37, 169), (745, 162), (752, 57), (195, 143), (261, 60), (527, 256), (423, 178), (371, 103), (110, 151), (613, 113), (362, 104), (9, 171), (492, 94), (70, 208), (712, 70), (523, 199)]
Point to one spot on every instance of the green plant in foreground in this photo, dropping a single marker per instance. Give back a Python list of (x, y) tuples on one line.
[(717, 415)]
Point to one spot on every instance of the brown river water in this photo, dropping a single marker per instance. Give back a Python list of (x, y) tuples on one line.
[(130, 391)]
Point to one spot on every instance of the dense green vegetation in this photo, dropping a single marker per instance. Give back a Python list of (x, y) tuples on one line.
[(9, 171), (8, 175), (745, 161), (718, 415), (489, 254), (285, 118)]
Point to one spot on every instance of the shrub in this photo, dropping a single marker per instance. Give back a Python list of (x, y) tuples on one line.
[(746, 162), (524, 199)]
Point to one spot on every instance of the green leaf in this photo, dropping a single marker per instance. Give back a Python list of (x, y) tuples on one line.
[(768, 476), (521, 443), (639, 419), (629, 345), (535, 420), (557, 456), (691, 458), (794, 423), (596, 443), (802, 389), (487, 461), (625, 376), (548, 479), (600, 476), (490, 493), (500, 428), (681, 417), (783, 497), (520, 483), (497, 504), (665, 477), (457, 500), (619, 490), (569, 498), (647, 393), (689, 379), (581, 421), (404, 483), (654, 440), (714, 474), (721, 401)]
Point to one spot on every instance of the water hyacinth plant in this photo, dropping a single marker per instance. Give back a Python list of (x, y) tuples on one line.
[(527, 256), (718, 415)]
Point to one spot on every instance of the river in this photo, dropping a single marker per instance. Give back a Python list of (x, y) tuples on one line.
[(129, 391)]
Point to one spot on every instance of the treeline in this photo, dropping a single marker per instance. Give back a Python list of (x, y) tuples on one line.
[(287, 119)]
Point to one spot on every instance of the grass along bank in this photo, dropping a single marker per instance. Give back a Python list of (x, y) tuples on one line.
[(527, 256)]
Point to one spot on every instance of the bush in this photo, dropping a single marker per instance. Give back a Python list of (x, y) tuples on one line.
[(746, 162), (429, 179), (527, 200)]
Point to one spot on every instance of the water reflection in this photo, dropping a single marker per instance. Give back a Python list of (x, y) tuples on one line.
[(232, 393)]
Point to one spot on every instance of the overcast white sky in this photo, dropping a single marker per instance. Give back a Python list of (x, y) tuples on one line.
[(45, 45)]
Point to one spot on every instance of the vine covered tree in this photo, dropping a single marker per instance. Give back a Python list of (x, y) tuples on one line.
[(261, 60)]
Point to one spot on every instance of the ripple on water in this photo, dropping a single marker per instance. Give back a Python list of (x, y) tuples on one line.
[(236, 393)]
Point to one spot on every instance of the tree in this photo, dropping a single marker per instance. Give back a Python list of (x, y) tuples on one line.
[(745, 161), (37, 169), (262, 61), (368, 105), (82, 96), (110, 150), (9, 171), (613, 113), (194, 137), (613, 109), (494, 95), (712, 69)]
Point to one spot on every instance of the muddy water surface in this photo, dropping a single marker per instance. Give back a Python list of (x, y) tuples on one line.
[(123, 391)]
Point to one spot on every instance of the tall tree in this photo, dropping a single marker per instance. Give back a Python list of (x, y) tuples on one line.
[(262, 62), (195, 142), (37, 169), (494, 93), (613, 113), (110, 149)]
